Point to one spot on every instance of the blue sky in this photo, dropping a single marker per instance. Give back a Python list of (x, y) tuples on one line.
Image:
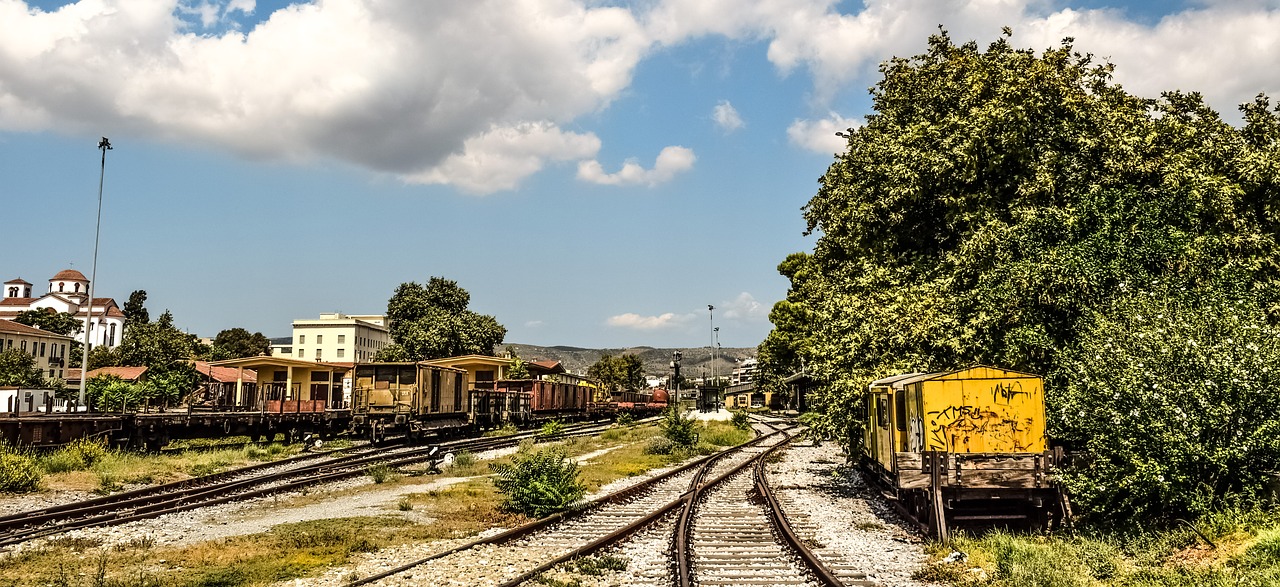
[(595, 174)]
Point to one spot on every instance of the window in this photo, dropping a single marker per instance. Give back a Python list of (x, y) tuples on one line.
[(13, 292), (341, 352), (317, 354), (42, 348), (111, 338), (342, 338), (24, 346), (484, 375), (61, 284), (302, 353), (77, 288), (302, 339), (900, 410), (319, 339)]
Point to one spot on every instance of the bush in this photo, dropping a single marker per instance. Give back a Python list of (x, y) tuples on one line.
[(1171, 395), (741, 420), (678, 428), (659, 445), (464, 459), (18, 471), (626, 419), (507, 429), (380, 472), (78, 455), (553, 429), (538, 483)]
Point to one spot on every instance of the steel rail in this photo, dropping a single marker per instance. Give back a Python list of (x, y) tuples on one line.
[(824, 574), (195, 493), (537, 525)]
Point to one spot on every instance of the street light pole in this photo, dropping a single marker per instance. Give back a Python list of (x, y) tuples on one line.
[(711, 311), (104, 145)]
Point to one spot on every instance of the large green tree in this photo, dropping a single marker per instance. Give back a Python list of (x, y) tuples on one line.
[(235, 343), (166, 352), (997, 202), (433, 321), (64, 323), (135, 309), (18, 368), (618, 371)]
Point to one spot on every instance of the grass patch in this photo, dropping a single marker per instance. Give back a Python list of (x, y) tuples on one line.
[(1247, 553), (380, 472), (19, 472), (507, 429), (90, 466)]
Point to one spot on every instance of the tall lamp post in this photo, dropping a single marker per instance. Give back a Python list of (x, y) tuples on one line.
[(675, 364), (711, 311), (104, 145)]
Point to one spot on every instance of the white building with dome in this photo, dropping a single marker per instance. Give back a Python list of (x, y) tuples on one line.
[(68, 292)]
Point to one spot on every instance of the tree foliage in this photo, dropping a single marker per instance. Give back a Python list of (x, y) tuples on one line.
[(166, 352), (995, 208), (618, 371), (64, 323), (18, 368), (235, 343), (135, 309), (433, 321)]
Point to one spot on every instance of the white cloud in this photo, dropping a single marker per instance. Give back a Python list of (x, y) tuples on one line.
[(819, 136), (500, 158), (726, 116), (671, 160), (1226, 49), (638, 322), (743, 307), (396, 86), (534, 324)]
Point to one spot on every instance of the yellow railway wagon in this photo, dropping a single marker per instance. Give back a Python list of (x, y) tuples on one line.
[(963, 446)]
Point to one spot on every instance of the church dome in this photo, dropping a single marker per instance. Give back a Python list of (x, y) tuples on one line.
[(69, 275)]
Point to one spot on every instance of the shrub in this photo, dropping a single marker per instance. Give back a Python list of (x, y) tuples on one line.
[(380, 472), (679, 428), (538, 483), (464, 459), (741, 420), (405, 505), (18, 471), (626, 419), (553, 429), (1172, 395), (659, 445)]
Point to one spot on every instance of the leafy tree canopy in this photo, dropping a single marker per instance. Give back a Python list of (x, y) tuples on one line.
[(236, 343), (166, 352), (135, 309), (618, 371), (433, 321), (18, 368), (64, 323), (998, 206)]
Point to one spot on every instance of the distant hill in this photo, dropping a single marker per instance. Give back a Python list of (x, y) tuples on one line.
[(695, 362)]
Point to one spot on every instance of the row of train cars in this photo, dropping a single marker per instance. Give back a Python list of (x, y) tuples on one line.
[(955, 448), (387, 400)]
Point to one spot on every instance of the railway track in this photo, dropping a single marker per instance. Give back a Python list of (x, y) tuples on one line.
[(240, 484), (522, 554)]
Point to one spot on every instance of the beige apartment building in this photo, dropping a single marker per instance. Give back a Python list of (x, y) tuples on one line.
[(336, 338), (48, 349)]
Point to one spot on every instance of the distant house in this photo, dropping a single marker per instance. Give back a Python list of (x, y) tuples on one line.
[(68, 292), (130, 374)]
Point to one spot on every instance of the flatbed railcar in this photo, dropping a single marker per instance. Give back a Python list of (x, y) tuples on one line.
[(964, 447)]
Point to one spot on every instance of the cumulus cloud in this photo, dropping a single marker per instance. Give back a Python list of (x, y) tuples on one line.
[(671, 160), (451, 92), (819, 136), (1226, 49), (637, 322), (743, 307), (726, 116), (398, 86)]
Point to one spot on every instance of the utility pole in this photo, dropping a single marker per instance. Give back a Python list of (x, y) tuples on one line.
[(104, 145)]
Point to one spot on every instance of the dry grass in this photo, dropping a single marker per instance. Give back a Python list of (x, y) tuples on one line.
[(119, 468), (303, 549)]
